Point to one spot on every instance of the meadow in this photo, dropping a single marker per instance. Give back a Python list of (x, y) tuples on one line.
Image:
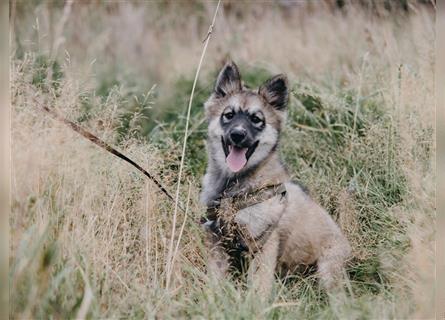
[(90, 235)]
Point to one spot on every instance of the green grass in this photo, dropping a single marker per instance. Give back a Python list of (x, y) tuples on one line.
[(323, 146), (361, 140)]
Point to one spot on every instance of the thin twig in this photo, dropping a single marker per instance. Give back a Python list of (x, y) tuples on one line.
[(110, 149), (170, 251), (88, 297), (182, 227)]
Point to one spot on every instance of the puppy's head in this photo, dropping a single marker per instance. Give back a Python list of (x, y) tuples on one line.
[(244, 124)]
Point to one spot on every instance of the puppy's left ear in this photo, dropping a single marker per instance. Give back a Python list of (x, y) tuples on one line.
[(275, 91), (229, 80)]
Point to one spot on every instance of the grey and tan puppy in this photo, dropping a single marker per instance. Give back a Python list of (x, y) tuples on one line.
[(254, 210)]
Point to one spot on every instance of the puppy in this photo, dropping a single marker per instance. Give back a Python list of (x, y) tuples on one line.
[(255, 212)]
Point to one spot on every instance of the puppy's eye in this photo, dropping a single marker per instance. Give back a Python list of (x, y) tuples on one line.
[(228, 115), (255, 119)]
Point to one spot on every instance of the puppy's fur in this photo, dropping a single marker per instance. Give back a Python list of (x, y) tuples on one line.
[(288, 229)]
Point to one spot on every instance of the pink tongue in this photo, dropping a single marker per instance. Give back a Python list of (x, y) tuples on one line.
[(236, 159)]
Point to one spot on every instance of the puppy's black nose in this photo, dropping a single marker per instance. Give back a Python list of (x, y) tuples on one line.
[(237, 135)]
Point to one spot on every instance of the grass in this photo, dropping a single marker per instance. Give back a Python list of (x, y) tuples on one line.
[(90, 236)]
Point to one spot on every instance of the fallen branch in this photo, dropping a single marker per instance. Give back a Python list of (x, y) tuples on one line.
[(97, 141)]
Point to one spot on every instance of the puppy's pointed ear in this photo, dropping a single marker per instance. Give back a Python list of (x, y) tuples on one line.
[(275, 91), (229, 80)]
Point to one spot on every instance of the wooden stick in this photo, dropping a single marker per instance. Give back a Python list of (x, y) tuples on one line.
[(97, 141)]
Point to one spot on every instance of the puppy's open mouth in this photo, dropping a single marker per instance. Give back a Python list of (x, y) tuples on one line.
[(236, 156)]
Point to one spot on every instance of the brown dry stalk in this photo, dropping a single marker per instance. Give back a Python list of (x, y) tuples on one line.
[(170, 257), (97, 141)]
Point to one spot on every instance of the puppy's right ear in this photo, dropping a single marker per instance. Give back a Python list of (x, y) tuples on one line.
[(229, 80)]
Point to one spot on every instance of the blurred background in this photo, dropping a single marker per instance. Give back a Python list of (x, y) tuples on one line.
[(90, 237), (145, 53), (135, 46)]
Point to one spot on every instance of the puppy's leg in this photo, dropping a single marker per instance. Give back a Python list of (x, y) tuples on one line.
[(331, 265), (262, 268), (218, 260)]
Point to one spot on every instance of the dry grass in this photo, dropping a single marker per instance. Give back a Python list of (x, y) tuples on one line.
[(90, 236)]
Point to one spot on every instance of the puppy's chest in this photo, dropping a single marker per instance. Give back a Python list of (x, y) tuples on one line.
[(245, 220)]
